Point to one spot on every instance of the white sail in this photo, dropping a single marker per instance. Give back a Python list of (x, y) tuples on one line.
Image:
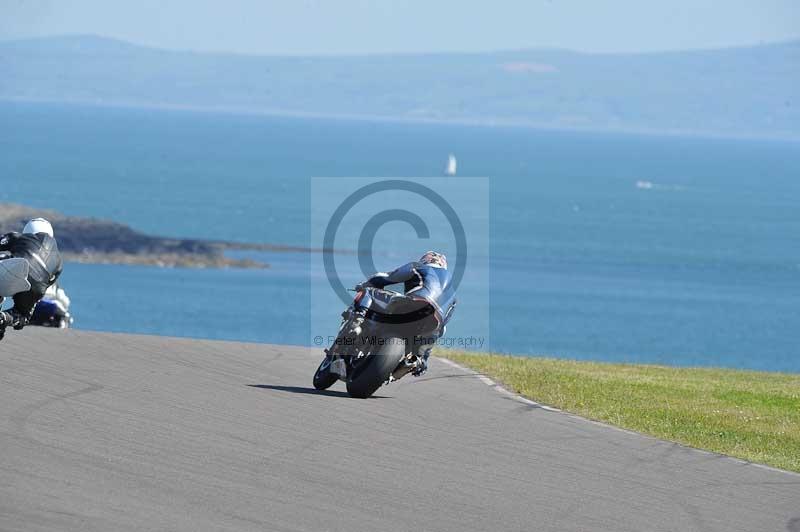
[(451, 165)]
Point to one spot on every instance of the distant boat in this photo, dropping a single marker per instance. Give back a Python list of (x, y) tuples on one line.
[(646, 185), (451, 165)]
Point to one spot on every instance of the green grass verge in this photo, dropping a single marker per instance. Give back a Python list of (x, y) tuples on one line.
[(747, 414)]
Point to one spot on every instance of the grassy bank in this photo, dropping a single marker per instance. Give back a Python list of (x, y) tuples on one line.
[(747, 414)]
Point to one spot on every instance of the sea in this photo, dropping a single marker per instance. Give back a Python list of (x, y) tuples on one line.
[(616, 247)]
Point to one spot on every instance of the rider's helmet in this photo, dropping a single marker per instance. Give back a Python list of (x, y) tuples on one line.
[(38, 225), (432, 258)]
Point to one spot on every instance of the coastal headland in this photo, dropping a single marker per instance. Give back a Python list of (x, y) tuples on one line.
[(99, 241)]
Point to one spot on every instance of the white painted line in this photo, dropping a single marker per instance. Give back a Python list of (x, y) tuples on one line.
[(492, 384), (486, 380)]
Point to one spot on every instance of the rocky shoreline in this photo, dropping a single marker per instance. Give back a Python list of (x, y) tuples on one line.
[(97, 241)]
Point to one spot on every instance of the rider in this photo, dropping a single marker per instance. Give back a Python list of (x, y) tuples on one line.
[(429, 279), (37, 245)]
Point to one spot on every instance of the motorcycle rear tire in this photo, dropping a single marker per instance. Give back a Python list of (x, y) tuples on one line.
[(370, 374)]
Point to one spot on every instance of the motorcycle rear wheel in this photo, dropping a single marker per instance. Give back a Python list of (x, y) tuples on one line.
[(371, 373)]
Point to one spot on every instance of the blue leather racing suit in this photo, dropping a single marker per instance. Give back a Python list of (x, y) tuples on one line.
[(429, 282)]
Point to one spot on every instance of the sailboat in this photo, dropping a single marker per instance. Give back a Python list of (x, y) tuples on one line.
[(451, 165)]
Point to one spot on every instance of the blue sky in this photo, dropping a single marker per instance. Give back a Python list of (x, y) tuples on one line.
[(377, 26)]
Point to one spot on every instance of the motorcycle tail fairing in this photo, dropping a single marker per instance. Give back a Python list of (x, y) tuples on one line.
[(13, 276)]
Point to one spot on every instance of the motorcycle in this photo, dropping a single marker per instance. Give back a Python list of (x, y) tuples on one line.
[(53, 309), (376, 338), (13, 280), (51, 313)]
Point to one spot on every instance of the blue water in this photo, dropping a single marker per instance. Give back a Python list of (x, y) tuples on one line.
[(701, 269)]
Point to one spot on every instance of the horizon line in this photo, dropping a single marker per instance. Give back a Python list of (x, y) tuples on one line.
[(133, 44)]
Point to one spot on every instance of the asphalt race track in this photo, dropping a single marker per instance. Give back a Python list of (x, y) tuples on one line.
[(114, 432)]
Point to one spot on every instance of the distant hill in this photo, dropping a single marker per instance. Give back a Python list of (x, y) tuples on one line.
[(752, 91)]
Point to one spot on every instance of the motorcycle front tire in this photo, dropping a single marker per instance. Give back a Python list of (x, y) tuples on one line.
[(323, 378)]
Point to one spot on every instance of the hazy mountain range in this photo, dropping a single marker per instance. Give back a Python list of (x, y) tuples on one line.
[(749, 91)]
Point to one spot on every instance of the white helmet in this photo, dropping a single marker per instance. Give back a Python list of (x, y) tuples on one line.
[(38, 225), (432, 258)]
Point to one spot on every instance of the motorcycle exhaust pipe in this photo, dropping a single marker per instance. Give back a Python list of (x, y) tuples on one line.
[(409, 363)]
